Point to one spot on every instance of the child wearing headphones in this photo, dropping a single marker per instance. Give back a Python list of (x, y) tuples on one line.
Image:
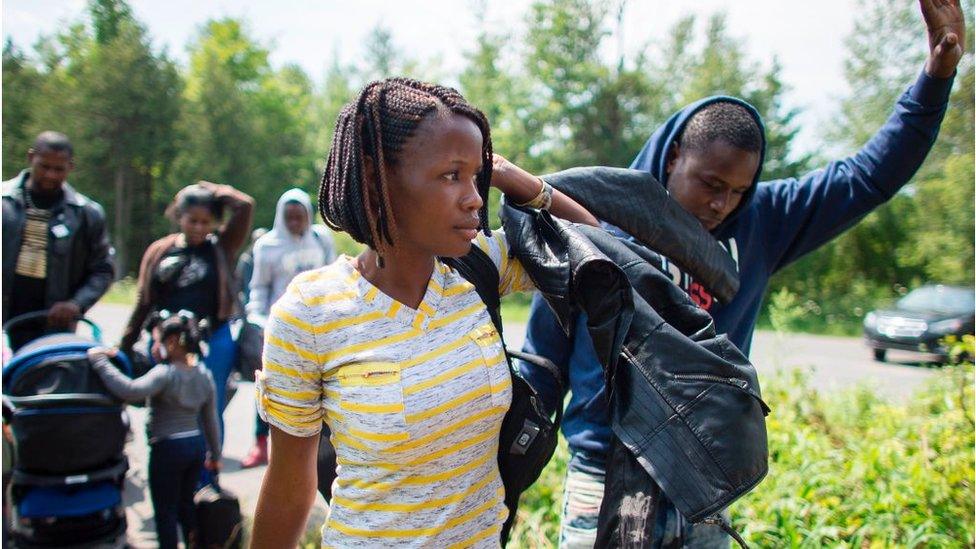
[(182, 398)]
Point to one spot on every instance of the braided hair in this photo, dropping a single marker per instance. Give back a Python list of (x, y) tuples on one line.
[(376, 125), (183, 324)]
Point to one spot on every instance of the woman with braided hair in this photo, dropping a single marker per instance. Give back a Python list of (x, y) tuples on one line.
[(393, 350)]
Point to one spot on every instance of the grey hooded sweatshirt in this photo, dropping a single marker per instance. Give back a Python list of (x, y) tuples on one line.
[(280, 255)]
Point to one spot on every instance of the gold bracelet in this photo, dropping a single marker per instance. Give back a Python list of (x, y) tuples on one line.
[(541, 201)]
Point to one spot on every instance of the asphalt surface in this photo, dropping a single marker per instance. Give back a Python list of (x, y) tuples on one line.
[(833, 362)]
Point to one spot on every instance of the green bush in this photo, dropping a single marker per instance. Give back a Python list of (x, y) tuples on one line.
[(846, 470), (854, 470)]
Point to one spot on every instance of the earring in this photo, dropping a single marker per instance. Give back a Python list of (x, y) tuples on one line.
[(379, 261)]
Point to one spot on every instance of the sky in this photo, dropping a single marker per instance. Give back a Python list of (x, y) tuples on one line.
[(806, 37)]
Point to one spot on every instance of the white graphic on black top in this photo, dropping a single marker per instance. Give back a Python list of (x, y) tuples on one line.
[(701, 296)]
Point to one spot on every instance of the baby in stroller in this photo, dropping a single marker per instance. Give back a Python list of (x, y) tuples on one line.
[(182, 399)]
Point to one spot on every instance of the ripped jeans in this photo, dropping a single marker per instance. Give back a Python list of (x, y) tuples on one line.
[(583, 495)]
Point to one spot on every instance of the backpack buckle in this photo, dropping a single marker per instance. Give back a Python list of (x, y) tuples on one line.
[(525, 438)]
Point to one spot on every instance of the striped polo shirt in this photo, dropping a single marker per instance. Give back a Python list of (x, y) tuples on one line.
[(414, 399)]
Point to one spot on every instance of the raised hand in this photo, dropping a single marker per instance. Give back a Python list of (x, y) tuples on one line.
[(947, 35)]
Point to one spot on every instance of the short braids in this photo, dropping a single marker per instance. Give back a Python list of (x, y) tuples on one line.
[(377, 125)]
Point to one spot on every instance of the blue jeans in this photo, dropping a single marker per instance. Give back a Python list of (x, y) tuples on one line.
[(261, 428), (583, 495), (221, 353), (174, 471)]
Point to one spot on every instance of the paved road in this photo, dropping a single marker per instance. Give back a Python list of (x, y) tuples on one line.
[(239, 421), (835, 362)]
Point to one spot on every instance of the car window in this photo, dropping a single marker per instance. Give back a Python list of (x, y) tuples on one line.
[(942, 299)]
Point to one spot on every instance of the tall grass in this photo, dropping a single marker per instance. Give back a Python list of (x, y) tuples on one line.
[(853, 470), (846, 470)]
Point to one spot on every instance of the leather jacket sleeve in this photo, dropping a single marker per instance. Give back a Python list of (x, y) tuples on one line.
[(626, 199), (142, 308), (99, 263)]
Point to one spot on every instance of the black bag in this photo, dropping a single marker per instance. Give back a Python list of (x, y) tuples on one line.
[(325, 464), (529, 434), (218, 515), (250, 344)]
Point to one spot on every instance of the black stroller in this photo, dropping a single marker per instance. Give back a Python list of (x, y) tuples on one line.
[(69, 436)]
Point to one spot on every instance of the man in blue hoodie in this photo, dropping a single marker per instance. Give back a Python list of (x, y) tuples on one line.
[(709, 155)]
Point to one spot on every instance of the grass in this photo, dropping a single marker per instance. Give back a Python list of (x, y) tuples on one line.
[(515, 308), (122, 292), (847, 469)]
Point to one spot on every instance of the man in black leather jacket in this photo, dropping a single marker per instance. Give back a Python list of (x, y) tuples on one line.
[(56, 252)]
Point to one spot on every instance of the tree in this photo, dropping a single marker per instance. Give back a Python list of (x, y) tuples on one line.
[(21, 80), (383, 58), (562, 61), (102, 83), (588, 111), (720, 66), (132, 96), (337, 90), (245, 123)]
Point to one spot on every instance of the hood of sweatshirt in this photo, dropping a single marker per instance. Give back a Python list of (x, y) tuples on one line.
[(653, 157)]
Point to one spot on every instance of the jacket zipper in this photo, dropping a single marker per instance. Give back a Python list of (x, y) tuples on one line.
[(734, 381)]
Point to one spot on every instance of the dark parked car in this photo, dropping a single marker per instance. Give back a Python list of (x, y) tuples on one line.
[(920, 320)]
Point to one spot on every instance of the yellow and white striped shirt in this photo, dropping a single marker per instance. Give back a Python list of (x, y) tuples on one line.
[(414, 400)]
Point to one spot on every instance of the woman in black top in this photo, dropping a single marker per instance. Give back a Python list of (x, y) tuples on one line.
[(193, 270)]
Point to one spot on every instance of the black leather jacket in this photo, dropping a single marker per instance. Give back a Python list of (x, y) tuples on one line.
[(80, 264), (685, 403)]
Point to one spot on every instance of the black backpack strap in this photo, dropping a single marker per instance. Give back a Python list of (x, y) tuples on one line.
[(547, 365), (528, 437), (478, 269)]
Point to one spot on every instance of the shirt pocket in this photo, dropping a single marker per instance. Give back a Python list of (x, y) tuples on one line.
[(370, 409), (492, 353)]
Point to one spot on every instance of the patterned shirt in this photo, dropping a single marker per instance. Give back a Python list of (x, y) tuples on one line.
[(414, 400), (32, 259)]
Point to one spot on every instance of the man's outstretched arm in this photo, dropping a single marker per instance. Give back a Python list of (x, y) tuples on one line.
[(804, 214)]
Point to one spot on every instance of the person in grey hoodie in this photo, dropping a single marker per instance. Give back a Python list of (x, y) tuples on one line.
[(293, 245), (182, 399)]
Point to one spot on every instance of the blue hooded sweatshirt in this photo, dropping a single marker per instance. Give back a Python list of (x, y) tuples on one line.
[(776, 223)]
